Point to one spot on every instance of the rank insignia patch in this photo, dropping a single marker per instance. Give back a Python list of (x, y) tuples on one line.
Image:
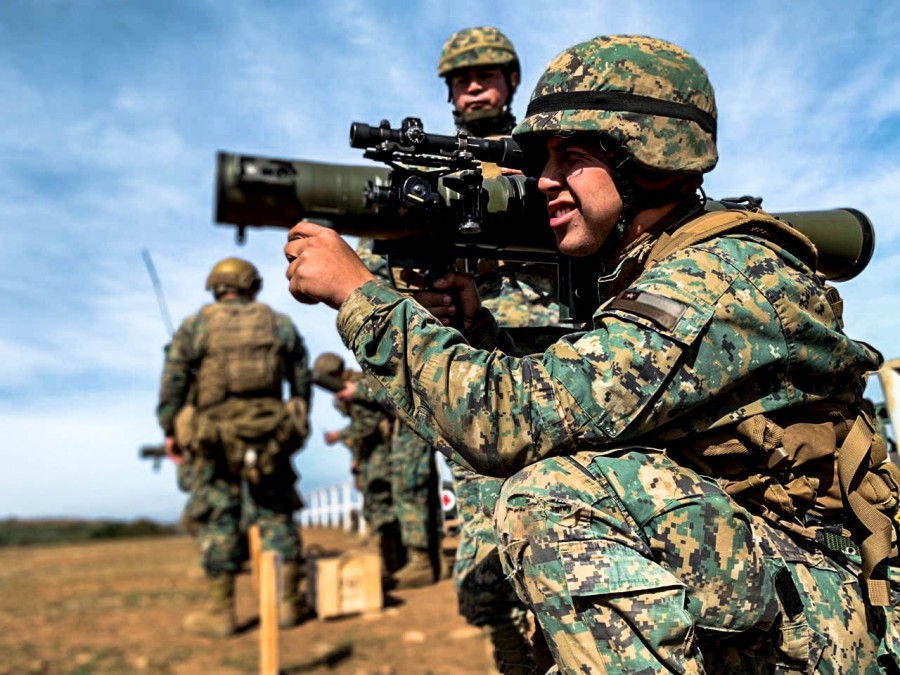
[(662, 311)]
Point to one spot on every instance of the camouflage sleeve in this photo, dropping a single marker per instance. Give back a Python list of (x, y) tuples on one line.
[(296, 359), (711, 335), (182, 360)]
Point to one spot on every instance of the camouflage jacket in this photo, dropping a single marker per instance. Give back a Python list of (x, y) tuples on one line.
[(185, 353), (710, 335)]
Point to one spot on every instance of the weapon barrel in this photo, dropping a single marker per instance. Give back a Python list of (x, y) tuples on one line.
[(269, 192)]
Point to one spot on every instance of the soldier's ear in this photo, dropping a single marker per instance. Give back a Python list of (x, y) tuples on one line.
[(514, 80)]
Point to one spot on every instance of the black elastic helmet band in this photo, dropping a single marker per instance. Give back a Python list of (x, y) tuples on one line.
[(614, 101)]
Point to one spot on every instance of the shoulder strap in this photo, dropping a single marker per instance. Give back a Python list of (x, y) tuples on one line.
[(718, 223)]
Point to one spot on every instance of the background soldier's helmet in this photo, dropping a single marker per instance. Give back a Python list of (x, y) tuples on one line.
[(481, 46), (233, 274), (648, 96), (329, 363)]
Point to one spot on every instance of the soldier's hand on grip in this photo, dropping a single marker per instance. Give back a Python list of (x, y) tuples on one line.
[(452, 294), (321, 266)]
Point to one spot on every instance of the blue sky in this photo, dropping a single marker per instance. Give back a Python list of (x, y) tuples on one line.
[(112, 113)]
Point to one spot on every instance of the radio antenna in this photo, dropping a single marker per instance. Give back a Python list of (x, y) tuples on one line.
[(157, 287)]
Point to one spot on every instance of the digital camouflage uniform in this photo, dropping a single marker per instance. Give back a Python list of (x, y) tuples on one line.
[(414, 474), (368, 439), (724, 353), (520, 295), (215, 500)]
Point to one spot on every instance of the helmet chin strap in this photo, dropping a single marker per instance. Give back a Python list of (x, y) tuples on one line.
[(635, 199)]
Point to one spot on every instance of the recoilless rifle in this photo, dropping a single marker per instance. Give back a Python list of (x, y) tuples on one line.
[(433, 206)]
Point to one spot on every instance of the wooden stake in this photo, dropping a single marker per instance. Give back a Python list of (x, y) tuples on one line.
[(255, 543), (270, 594)]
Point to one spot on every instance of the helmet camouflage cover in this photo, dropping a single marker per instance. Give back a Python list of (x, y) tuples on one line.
[(647, 95), (329, 363), (480, 46), (234, 273)]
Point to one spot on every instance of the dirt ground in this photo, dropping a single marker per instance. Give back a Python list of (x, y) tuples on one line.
[(117, 608)]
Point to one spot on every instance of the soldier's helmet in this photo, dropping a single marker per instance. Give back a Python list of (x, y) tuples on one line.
[(649, 97), (233, 274), (329, 363), (479, 46)]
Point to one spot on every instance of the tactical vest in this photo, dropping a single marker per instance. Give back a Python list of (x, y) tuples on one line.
[(242, 354), (820, 471)]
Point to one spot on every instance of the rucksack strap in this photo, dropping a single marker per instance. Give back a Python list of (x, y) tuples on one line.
[(718, 223), (880, 543)]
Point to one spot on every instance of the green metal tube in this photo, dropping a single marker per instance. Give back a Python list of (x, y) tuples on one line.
[(267, 192)]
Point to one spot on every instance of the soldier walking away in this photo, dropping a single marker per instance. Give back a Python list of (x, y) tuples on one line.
[(695, 481), (221, 404)]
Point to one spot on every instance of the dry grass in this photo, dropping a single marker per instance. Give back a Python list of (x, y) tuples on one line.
[(116, 607)]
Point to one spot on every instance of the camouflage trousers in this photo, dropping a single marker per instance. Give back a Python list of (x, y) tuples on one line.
[(484, 596), (635, 564), (375, 485), (221, 505), (414, 486)]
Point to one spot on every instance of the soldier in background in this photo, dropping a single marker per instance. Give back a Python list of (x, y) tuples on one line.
[(482, 71), (368, 438), (481, 68), (221, 403), (415, 485)]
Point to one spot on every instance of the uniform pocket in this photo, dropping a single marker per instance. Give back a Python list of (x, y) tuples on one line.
[(890, 650), (809, 591), (635, 611), (601, 567)]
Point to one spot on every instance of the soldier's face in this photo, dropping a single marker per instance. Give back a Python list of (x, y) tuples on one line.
[(478, 88), (582, 199)]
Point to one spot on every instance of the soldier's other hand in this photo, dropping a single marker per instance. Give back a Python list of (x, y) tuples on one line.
[(354, 467), (321, 266), (439, 300), (173, 452), (346, 394), (332, 437)]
